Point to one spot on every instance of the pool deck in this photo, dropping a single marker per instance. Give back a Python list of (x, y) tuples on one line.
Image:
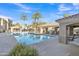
[(53, 48), (49, 47), (7, 42)]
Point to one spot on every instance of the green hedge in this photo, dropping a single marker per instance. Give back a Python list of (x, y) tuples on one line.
[(23, 50)]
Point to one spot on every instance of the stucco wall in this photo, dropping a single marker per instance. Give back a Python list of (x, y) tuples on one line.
[(63, 23)]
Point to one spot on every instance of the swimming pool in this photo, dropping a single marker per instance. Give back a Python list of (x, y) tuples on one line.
[(31, 38)]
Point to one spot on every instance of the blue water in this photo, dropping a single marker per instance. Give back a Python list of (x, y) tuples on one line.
[(31, 38)]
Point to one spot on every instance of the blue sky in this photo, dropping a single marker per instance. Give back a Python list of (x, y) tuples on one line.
[(49, 11)]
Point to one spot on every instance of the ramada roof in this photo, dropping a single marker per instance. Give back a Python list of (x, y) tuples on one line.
[(67, 17)]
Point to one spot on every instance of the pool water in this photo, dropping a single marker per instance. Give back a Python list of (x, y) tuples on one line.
[(31, 38)]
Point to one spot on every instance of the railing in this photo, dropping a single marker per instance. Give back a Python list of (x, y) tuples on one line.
[(71, 38)]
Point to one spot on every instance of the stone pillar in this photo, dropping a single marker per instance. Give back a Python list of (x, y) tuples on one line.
[(62, 34)]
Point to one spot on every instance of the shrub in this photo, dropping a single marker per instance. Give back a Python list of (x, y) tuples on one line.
[(22, 50)]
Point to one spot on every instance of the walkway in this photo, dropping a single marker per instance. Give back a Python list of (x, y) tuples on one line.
[(53, 48), (7, 42)]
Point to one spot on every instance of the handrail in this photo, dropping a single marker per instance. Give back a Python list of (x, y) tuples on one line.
[(73, 37)]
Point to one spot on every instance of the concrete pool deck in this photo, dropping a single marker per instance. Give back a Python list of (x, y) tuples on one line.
[(7, 42), (54, 48), (46, 48)]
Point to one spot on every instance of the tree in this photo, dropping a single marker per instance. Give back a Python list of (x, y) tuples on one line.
[(36, 16), (66, 15), (24, 18)]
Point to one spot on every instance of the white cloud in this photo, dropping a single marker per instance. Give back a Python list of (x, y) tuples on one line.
[(76, 5), (23, 6), (6, 17), (62, 7), (25, 9), (58, 16)]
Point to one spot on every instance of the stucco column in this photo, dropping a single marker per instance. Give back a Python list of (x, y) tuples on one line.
[(41, 30), (62, 34), (1, 22), (11, 29)]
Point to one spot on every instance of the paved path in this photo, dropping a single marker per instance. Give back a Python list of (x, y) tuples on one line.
[(7, 42), (54, 48)]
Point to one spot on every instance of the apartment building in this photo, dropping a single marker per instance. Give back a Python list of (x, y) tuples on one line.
[(5, 24)]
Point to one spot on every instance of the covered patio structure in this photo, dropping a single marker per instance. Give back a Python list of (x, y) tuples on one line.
[(48, 28), (16, 28), (66, 26)]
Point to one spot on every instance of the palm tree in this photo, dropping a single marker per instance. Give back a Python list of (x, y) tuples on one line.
[(24, 18), (66, 15), (36, 16)]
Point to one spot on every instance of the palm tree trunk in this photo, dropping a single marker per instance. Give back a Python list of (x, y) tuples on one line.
[(36, 24)]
